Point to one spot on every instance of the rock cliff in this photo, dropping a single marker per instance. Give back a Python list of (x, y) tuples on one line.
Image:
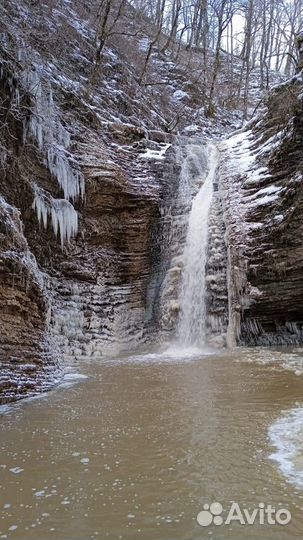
[(261, 186)]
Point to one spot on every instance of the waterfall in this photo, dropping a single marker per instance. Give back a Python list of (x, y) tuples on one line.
[(192, 322)]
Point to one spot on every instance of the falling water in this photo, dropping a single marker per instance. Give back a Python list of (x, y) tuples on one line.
[(192, 327)]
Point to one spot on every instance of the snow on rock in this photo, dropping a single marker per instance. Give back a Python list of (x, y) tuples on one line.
[(260, 185), (155, 154), (239, 150), (144, 44), (265, 200), (179, 95), (191, 129)]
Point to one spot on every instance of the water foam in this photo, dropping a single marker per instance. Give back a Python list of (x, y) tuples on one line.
[(172, 353), (286, 435)]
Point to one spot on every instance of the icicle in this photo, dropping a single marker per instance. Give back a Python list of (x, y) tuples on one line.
[(65, 219), (70, 182), (53, 138), (63, 216)]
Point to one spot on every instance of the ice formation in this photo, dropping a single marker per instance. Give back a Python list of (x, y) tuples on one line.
[(52, 137), (63, 216)]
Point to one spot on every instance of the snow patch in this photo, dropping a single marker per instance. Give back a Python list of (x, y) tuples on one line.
[(155, 154), (178, 95)]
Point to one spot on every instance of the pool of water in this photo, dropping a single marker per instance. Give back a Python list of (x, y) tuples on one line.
[(136, 446)]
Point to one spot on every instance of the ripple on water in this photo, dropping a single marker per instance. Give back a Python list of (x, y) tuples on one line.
[(71, 378), (15, 408), (282, 359), (137, 447)]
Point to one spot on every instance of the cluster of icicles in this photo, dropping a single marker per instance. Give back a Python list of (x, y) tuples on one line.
[(54, 140), (62, 215)]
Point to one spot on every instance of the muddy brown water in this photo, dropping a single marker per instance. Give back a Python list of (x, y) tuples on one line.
[(137, 448)]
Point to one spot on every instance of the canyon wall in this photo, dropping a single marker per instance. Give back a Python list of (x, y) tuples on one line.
[(261, 187), (87, 170)]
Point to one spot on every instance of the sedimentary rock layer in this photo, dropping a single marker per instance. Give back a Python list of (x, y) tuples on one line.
[(261, 186)]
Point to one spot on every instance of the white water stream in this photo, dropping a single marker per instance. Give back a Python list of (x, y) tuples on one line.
[(192, 323)]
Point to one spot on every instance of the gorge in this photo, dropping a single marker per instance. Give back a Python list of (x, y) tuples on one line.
[(95, 208), (151, 280)]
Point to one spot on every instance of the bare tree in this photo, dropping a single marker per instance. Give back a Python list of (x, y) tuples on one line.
[(109, 14)]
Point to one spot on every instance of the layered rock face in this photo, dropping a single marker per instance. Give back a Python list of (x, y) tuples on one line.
[(99, 283), (261, 187), (28, 364), (106, 300), (83, 257)]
